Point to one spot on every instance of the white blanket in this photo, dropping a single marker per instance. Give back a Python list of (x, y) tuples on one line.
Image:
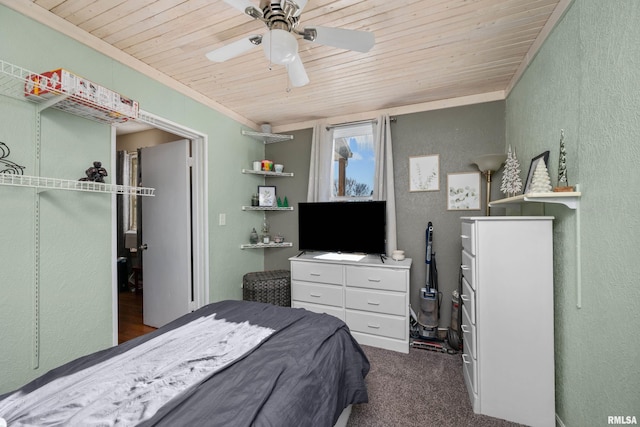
[(131, 387)]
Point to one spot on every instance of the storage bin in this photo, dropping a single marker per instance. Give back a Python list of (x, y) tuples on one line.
[(273, 287)]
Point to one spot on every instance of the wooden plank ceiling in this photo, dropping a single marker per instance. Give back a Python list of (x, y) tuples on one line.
[(425, 50)]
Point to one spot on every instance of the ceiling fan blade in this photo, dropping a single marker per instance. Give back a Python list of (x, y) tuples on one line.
[(234, 49), (360, 41), (244, 6), (297, 73), (301, 4)]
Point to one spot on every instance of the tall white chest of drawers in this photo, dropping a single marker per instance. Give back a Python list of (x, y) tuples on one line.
[(507, 317), (370, 296)]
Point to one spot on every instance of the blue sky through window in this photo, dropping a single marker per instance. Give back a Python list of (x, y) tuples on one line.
[(361, 164)]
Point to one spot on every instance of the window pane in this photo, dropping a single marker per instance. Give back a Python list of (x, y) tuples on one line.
[(353, 162)]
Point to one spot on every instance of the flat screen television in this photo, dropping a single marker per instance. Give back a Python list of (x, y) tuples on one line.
[(353, 227)]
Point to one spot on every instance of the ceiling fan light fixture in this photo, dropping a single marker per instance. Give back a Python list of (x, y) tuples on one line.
[(280, 46), (297, 74)]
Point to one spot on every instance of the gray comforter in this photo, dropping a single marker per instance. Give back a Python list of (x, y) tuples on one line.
[(304, 373)]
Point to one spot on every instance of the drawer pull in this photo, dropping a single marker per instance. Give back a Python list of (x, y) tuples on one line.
[(315, 295), (464, 359), (465, 267), (373, 303), (373, 326), (374, 280), (314, 274), (464, 236), (465, 328), (463, 297)]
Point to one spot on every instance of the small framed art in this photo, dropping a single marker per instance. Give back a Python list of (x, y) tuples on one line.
[(463, 191), (424, 173), (266, 195), (534, 162)]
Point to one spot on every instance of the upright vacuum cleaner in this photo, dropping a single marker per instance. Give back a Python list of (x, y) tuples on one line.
[(425, 326), (429, 296)]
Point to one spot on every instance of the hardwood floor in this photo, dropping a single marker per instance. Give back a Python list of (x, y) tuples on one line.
[(130, 316)]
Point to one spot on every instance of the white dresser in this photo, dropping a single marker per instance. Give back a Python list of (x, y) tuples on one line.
[(507, 317), (370, 296)]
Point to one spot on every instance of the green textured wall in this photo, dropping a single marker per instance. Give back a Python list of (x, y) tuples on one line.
[(75, 228), (586, 80)]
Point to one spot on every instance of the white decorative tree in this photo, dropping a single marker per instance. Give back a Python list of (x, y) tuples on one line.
[(511, 182), (541, 182)]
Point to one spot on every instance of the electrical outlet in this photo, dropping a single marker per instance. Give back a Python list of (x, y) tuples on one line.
[(222, 219)]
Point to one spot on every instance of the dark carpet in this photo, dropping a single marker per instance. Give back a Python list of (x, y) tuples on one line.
[(422, 388)]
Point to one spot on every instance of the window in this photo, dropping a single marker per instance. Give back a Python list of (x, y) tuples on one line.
[(353, 166)]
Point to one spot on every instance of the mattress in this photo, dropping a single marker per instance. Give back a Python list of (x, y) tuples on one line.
[(232, 363)]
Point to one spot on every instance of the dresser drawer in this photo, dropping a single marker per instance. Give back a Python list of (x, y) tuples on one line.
[(469, 332), (317, 308), (377, 278), (468, 268), (468, 298), (468, 237), (470, 374), (317, 272), (379, 302), (316, 293), (377, 324)]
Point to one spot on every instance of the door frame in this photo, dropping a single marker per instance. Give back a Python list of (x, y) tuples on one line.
[(199, 213)]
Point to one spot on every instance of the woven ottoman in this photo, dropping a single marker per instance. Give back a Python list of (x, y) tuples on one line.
[(272, 287)]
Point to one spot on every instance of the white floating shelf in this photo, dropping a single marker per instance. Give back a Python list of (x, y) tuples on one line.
[(267, 138), (267, 208), (267, 173), (72, 185), (266, 245), (569, 199)]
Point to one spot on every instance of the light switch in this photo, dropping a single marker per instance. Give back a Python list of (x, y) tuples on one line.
[(222, 219)]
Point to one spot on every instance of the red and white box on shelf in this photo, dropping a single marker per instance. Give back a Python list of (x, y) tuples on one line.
[(107, 104)]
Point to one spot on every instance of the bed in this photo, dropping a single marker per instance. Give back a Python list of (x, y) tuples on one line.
[(232, 363)]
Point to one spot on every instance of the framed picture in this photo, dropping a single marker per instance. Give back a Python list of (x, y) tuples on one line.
[(424, 173), (266, 195), (534, 162), (463, 191)]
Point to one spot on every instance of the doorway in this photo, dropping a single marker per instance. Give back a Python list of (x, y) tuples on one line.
[(199, 225)]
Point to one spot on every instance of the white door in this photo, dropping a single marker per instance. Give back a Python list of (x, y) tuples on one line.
[(166, 233)]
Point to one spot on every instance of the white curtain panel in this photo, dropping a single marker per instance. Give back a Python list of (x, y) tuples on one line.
[(320, 164), (383, 188)]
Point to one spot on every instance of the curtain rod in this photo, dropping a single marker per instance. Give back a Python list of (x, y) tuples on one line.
[(393, 119)]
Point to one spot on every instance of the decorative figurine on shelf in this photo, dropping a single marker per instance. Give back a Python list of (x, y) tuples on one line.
[(279, 202), (253, 236), (255, 200), (541, 182), (285, 203), (7, 166), (265, 231), (563, 181), (96, 173), (511, 182)]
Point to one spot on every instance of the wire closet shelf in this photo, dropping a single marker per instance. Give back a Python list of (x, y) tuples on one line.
[(15, 82), (68, 184)]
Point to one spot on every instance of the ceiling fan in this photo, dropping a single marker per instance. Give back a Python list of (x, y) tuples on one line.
[(279, 44)]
